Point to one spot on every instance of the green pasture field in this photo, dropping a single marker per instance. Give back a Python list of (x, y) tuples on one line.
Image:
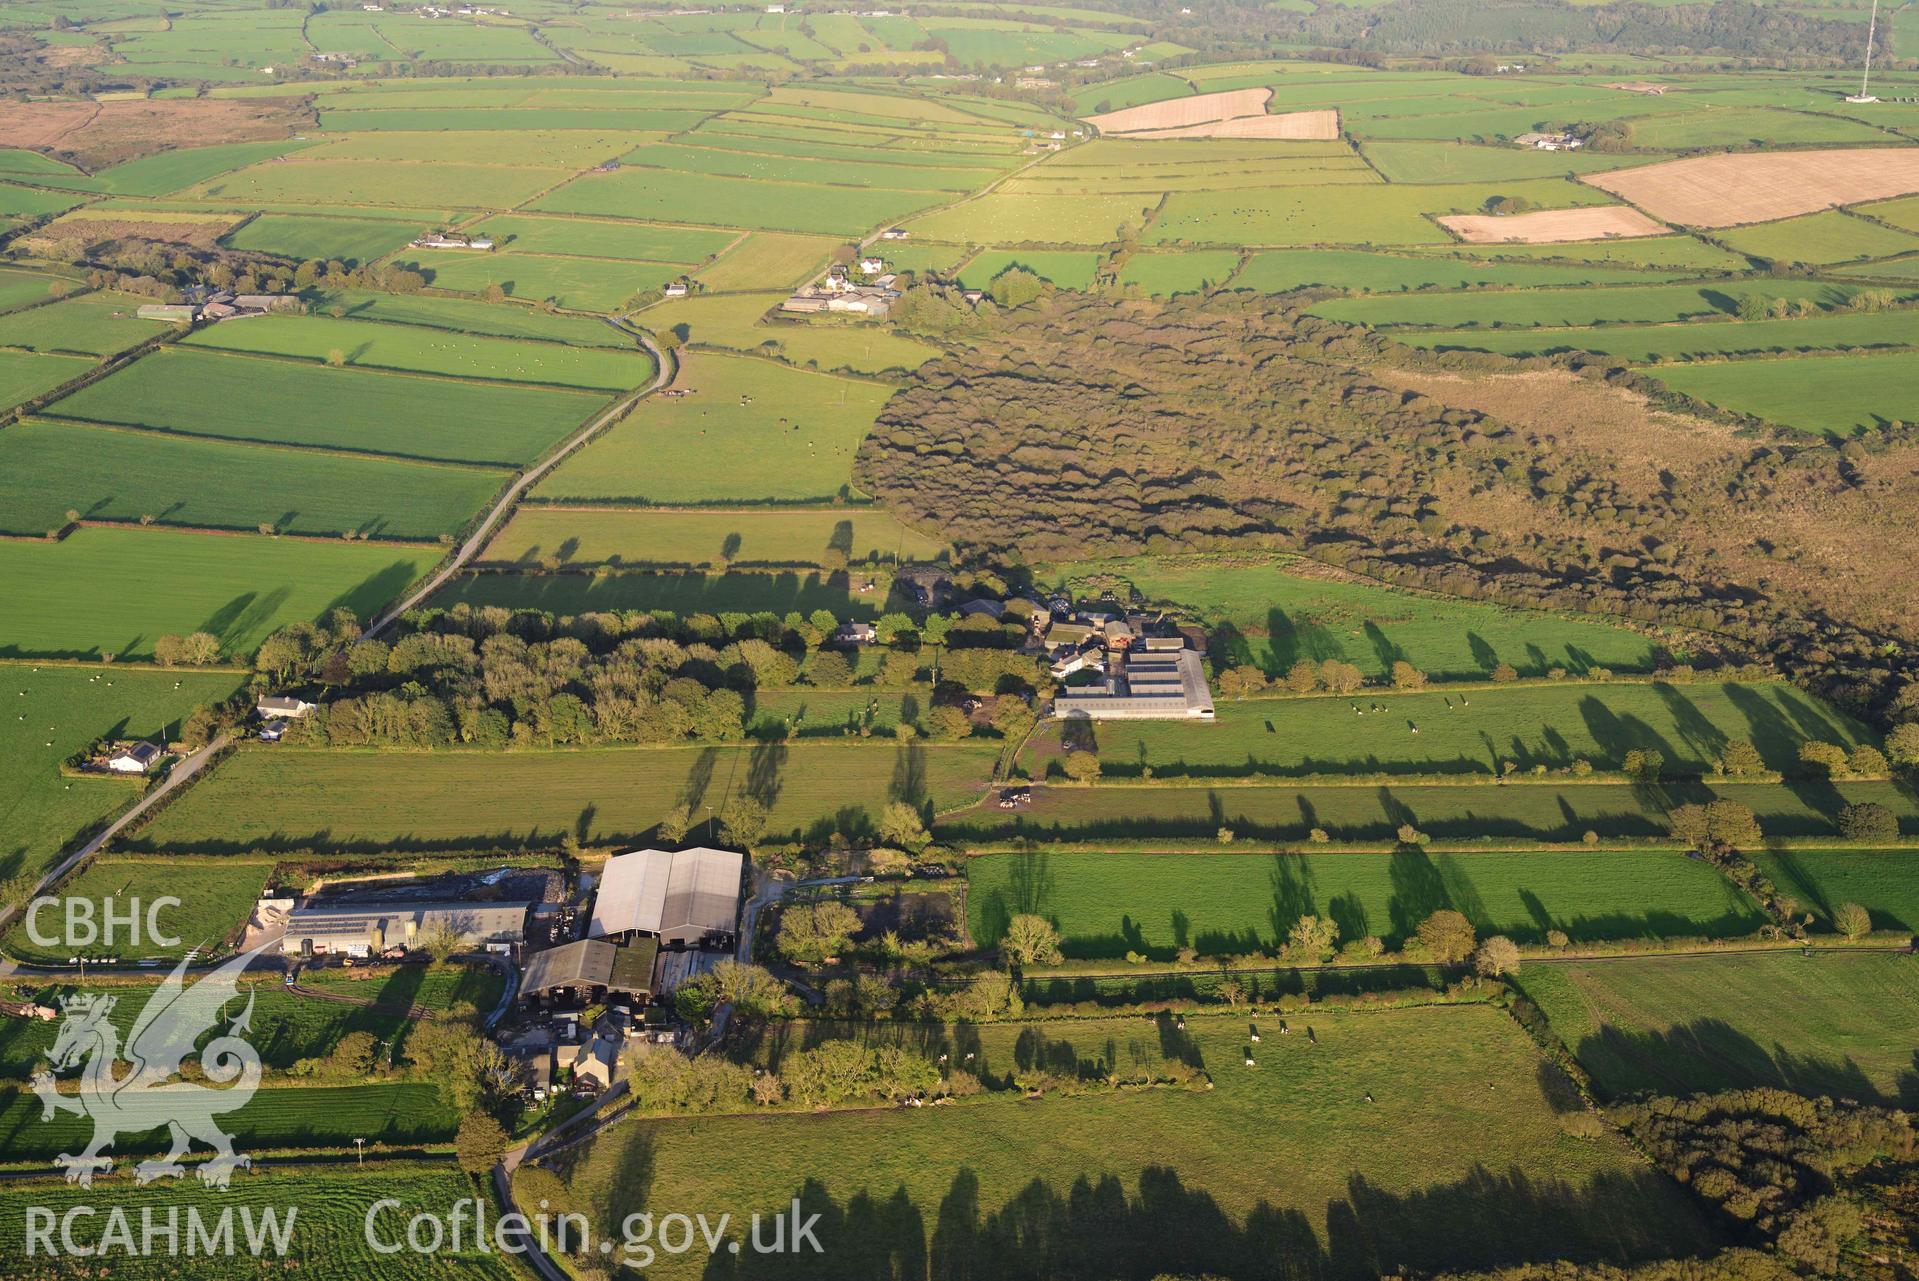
[(58, 711), (1477, 733), (18, 160), (465, 316), (280, 1116), (1180, 273), (1746, 126), (48, 468), (329, 1233), (584, 284), (370, 345), (709, 200), (1106, 905), (786, 434), (170, 171), (922, 257), (207, 393), (725, 134), (1881, 881), (1556, 811), (362, 802), (403, 987), (678, 158), (1640, 303), (491, 122), (1000, 218), (1902, 213), (1678, 253), (26, 374), (114, 591), (1464, 162), (1649, 343), (353, 241), (1820, 239), (19, 288), (1258, 612), (216, 895), (30, 202), (998, 46), (368, 182), (1839, 396), (745, 591), (742, 536), (94, 324), (1845, 1026), (590, 238), (1129, 91), (538, 149), (1067, 268), (805, 712), (768, 259), (1460, 1090), (1391, 215), (1150, 183), (1281, 270)]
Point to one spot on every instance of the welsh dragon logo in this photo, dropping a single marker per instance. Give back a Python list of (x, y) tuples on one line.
[(147, 1096)]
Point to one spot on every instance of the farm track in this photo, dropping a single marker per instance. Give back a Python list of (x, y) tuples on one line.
[(665, 367)]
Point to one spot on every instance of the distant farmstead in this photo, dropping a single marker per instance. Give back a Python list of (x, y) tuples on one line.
[(1549, 141), (451, 240), (1162, 681)]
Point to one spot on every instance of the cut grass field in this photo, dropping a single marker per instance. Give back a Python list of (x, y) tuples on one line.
[(1106, 905), (48, 468), (583, 284), (747, 591), (1478, 1172), (1823, 394), (1820, 239), (1884, 882), (733, 322), (58, 711), (1272, 612), (787, 434), (1841, 1025), (1646, 344), (465, 316), (591, 238), (713, 200), (329, 1234), (95, 324), (114, 590), (370, 182), (1555, 811), (351, 240), (1635, 303), (1356, 215), (206, 393), (768, 260), (362, 802), (1279, 270), (409, 349), (1477, 733), (26, 374), (743, 536), (1067, 268), (215, 895)]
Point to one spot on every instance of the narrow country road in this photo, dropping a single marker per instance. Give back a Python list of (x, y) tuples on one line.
[(175, 778), (665, 366)]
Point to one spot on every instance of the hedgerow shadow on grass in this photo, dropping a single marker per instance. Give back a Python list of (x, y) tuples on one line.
[(1710, 1054), (1097, 1230)]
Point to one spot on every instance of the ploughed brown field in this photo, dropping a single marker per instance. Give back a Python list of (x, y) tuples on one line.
[(1295, 126), (1728, 190), (1553, 226), (1199, 109)]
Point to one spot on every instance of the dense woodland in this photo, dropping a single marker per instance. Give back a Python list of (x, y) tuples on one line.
[(1083, 425)]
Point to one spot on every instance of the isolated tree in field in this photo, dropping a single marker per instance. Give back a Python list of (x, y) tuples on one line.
[(199, 649), (1015, 287), (1826, 758), (1340, 677), (1406, 676), (1447, 936), (1030, 940), (809, 934), (479, 1143), (1496, 956), (742, 821), (1644, 763), (900, 825), (1082, 767), (1303, 677), (1868, 821), (336, 357), (1740, 757), (1313, 938), (1852, 920)]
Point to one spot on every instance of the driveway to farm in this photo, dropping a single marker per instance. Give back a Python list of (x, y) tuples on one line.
[(665, 367), (175, 778)]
